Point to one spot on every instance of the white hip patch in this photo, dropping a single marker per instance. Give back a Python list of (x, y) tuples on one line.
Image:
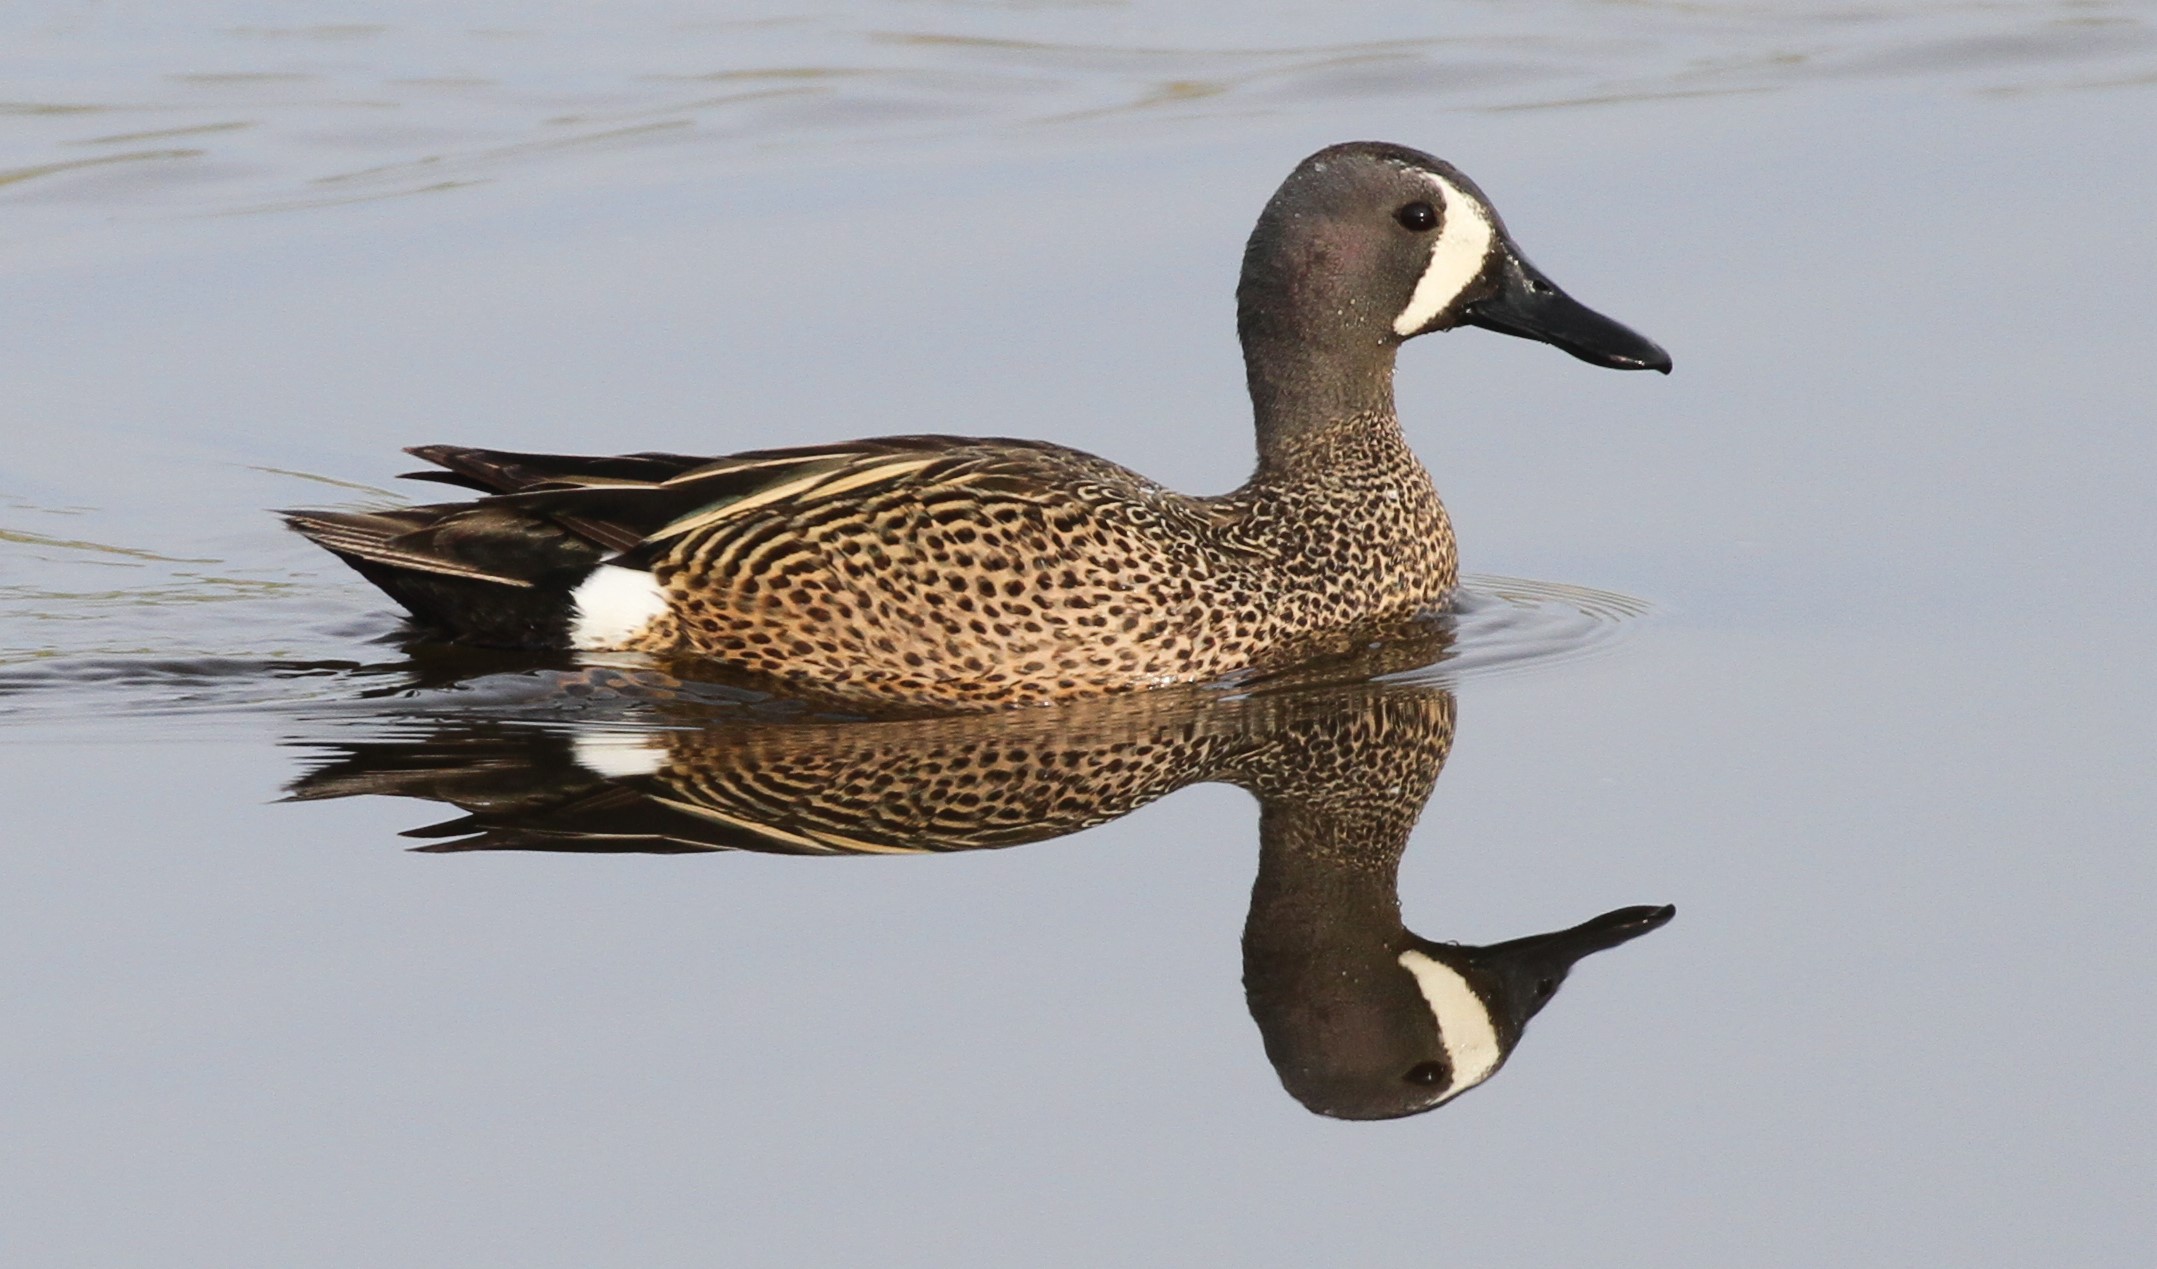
[(1464, 1025), (1463, 244), (612, 607)]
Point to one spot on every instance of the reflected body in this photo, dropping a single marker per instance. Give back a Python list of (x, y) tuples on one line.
[(953, 573), (1361, 1017)]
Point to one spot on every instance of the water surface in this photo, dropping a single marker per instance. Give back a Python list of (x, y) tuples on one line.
[(1870, 706)]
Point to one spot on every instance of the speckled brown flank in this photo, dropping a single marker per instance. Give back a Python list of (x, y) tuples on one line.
[(1008, 574)]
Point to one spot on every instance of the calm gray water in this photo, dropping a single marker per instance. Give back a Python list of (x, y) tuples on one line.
[(1839, 644)]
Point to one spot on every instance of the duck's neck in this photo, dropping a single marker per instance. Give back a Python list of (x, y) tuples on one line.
[(1324, 925), (1309, 392)]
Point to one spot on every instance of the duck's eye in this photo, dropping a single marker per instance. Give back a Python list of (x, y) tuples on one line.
[(1427, 1074), (1419, 216)]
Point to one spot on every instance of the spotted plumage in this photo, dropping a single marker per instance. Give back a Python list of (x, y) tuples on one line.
[(952, 573), (1342, 765)]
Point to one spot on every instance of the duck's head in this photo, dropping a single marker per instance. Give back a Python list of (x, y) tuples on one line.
[(1366, 245), (1380, 1028)]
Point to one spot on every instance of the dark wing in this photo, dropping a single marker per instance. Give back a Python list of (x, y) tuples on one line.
[(636, 517), (555, 514)]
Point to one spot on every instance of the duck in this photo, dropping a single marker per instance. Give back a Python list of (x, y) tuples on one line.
[(950, 573)]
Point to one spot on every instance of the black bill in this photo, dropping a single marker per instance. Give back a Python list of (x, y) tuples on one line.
[(1521, 975), (1531, 306)]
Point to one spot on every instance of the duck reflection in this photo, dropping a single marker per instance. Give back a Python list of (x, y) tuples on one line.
[(1361, 1018)]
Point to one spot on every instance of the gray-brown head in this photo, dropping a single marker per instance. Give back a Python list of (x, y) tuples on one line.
[(1367, 245)]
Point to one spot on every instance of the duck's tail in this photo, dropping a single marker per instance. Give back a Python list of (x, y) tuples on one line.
[(476, 572), (559, 555), (502, 571)]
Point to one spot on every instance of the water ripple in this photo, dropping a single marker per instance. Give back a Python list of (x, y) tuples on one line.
[(268, 114), (1500, 625)]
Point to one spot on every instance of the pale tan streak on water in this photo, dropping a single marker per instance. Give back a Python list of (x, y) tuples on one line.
[(25, 538), (15, 175)]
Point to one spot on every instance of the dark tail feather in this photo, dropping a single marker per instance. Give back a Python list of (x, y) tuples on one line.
[(501, 570), (477, 572), (503, 471)]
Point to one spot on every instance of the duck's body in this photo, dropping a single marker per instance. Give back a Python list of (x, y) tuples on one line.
[(948, 572), (933, 571)]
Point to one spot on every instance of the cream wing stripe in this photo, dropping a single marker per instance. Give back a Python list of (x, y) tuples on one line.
[(825, 481), (1464, 242), (742, 506)]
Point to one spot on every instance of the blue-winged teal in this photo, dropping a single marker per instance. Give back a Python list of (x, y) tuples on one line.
[(955, 573)]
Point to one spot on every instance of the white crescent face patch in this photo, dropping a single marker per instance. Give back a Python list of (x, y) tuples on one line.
[(1464, 241), (1464, 1023)]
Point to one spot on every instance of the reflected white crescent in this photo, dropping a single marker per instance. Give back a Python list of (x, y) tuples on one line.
[(1464, 1024)]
